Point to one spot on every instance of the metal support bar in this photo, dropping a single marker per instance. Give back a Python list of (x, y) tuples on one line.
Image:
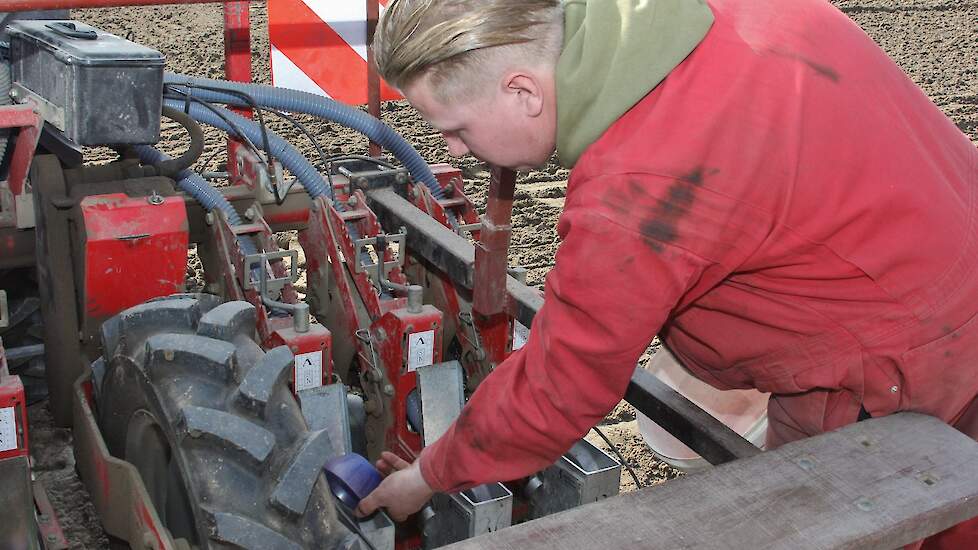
[(491, 251), (706, 435), (455, 256)]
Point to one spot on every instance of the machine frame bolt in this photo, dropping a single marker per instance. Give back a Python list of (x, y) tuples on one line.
[(155, 199)]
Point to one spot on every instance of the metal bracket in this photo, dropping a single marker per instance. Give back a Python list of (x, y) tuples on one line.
[(583, 475), (25, 211), (262, 259), (371, 269), (460, 516), (325, 408), (442, 398), (470, 227), (50, 112)]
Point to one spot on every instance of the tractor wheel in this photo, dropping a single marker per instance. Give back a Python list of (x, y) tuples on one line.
[(186, 395)]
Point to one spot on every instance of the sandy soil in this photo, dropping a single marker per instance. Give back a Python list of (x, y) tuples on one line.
[(935, 41)]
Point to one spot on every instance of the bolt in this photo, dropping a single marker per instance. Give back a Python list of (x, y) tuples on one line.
[(865, 504), (361, 182), (401, 178), (43, 518), (352, 201), (250, 213), (295, 349), (449, 189), (388, 389), (209, 218), (894, 389), (806, 464), (51, 537), (155, 199), (14, 93), (413, 193)]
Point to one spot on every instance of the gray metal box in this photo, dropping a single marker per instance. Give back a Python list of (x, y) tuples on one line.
[(104, 90)]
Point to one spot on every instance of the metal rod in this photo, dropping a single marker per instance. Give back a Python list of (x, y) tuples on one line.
[(373, 79)]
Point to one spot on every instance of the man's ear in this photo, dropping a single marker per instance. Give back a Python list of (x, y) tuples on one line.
[(524, 90)]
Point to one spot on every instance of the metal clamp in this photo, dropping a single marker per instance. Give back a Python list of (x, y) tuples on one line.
[(371, 268), (262, 259), (49, 111), (268, 285), (473, 334)]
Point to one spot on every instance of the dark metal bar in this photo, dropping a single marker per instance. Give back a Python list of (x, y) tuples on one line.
[(431, 240), (24, 352), (455, 256), (688, 423)]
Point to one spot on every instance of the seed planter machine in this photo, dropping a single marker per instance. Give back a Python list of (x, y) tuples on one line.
[(239, 416)]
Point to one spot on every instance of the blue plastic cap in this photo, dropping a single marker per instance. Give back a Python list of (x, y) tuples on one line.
[(351, 478)]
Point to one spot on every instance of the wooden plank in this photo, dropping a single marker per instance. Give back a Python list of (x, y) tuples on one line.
[(881, 483)]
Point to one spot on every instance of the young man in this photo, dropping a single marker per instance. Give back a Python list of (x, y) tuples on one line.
[(754, 181)]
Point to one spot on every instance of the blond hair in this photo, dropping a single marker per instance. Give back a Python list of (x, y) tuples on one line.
[(462, 45)]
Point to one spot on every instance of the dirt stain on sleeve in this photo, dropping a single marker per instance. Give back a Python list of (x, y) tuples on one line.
[(820, 69), (463, 427), (660, 227)]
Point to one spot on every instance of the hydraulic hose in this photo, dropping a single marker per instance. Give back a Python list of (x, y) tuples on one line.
[(191, 183), (171, 167), (292, 159), (295, 101)]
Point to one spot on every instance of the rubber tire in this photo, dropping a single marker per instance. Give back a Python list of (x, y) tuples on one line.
[(208, 420)]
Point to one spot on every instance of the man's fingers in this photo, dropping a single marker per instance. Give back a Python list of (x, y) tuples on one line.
[(384, 467), (397, 462), (366, 507)]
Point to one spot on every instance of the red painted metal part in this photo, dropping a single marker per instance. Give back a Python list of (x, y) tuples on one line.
[(237, 63), (133, 251), (273, 331), (311, 349), (492, 249), (494, 331), (373, 79), (13, 407), (391, 334), (29, 122)]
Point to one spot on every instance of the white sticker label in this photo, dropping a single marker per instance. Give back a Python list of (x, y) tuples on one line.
[(421, 349), (520, 335), (8, 429), (308, 370)]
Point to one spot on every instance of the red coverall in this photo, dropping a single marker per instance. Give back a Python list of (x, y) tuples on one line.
[(789, 212)]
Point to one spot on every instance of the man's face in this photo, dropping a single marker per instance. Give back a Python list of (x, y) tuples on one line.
[(512, 125)]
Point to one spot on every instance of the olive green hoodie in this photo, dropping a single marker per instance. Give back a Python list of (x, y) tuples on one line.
[(615, 52)]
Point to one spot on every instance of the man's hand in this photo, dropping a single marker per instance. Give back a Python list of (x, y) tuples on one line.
[(402, 493)]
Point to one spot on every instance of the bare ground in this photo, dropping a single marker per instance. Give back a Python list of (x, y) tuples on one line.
[(934, 41)]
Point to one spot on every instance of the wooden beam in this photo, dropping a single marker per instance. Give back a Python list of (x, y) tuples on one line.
[(881, 483)]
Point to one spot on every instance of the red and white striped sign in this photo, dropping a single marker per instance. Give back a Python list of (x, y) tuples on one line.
[(320, 46)]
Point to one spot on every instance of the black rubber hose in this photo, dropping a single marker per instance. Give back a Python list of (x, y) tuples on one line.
[(171, 167)]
